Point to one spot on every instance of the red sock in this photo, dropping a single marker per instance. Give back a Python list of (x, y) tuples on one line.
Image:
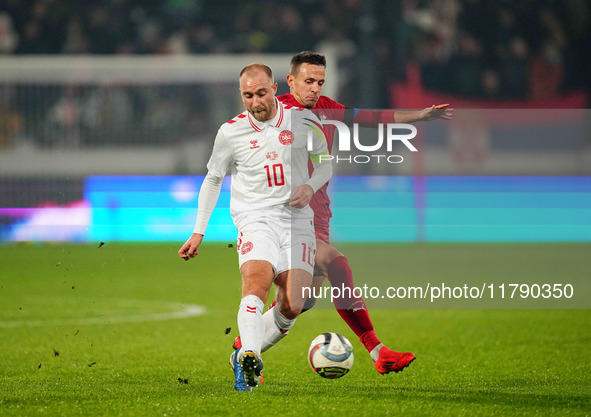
[(352, 309)]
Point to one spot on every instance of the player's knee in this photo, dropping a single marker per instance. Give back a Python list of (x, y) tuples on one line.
[(256, 285), (256, 267), (257, 277), (324, 256), (334, 254)]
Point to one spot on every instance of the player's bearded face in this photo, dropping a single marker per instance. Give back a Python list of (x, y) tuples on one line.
[(258, 96), (263, 111), (306, 84)]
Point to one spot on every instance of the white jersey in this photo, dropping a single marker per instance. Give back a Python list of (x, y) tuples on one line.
[(267, 160)]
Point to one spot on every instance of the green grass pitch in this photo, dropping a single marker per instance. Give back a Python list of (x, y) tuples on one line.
[(87, 331)]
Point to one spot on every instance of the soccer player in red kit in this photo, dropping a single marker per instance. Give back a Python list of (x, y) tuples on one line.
[(306, 79)]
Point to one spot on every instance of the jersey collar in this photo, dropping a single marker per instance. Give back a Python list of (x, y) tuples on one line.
[(275, 121)]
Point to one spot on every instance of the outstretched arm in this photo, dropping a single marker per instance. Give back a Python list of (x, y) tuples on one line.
[(441, 111), (371, 118)]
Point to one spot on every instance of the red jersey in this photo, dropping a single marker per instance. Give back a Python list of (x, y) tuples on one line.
[(325, 109)]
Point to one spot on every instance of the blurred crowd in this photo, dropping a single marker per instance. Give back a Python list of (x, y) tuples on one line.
[(171, 26), (473, 47), (502, 49), (104, 115), (498, 49)]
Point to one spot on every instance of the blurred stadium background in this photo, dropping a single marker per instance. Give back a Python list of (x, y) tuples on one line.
[(108, 110)]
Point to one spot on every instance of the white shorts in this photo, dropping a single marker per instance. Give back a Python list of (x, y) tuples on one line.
[(285, 245)]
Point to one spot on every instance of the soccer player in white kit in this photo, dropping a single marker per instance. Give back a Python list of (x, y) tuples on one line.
[(266, 150)]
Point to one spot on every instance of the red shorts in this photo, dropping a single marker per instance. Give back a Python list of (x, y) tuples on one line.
[(322, 232), (322, 215)]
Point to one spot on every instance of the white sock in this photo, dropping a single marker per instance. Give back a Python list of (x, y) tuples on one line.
[(250, 323), (276, 328), (375, 352)]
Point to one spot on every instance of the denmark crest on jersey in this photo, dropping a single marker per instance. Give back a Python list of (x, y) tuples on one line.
[(286, 137), (246, 247)]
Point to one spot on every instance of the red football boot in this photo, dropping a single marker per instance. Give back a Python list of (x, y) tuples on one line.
[(237, 343), (392, 361)]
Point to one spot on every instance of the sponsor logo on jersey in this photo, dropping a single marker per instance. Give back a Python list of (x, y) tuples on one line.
[(245, 248), (286, 137), (272, 155), (254, 144)]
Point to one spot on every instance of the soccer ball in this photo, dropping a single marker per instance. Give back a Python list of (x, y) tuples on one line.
[(331, 355)]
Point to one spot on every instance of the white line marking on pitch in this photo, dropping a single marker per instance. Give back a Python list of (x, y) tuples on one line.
[(189, 310)]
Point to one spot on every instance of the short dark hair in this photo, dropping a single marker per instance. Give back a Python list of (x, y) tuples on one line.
[(257, 67), (306, 57)]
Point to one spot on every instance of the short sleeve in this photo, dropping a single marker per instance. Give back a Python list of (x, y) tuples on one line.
[(221, 156)]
